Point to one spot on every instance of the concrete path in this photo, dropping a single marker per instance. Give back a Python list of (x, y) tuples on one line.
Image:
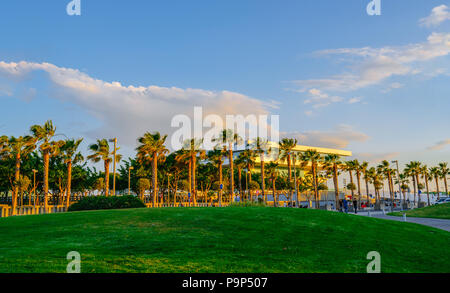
[(436, 223)]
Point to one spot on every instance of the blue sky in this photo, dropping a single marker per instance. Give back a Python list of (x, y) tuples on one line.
[(376, 85)]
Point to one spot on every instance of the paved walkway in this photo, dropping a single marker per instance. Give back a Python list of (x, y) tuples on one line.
[(436, 223)]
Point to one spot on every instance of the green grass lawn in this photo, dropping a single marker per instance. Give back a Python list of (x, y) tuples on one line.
[(441, 211), (234, 239)]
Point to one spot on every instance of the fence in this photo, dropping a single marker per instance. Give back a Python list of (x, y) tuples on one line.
[(6, 210)]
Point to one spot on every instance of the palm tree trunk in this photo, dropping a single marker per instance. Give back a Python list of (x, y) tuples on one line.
[(415, 190), (155, 177), (190, 179), (16, 185), (249, 192), (316, 184), (46, 164), (240, 182), (194, 187), (336, 187), (418, 194), (445, 184), (275, 202), (437, 187), (220, 183), (106, 178), (367, 190), (290, 178), (262, 179), (297, 200), (231, 172), (358, 181), (69, 183), (428, 190), (351, 181)]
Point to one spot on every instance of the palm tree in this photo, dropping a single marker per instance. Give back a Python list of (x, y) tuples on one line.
[(44, 134), (216, 157), (193, 148), (351, 166), (272, 173), (240, 163), (151, 149), (17, 148), (413, 170), (261, 147), (384, 167), (286, 147), (71, 156), (314, 158), (227, 139), (249, 157), (426, 176), (403, 182), (332, 163), (436, 174), (363, 168), (444, 172), (101, 152)]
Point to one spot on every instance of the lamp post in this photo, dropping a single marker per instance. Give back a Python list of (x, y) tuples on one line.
[(129, 179), (114, 140), (34, 187), (398, 181)]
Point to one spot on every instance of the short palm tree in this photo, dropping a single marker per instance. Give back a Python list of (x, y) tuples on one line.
[(413, 170), (193, 149), (249, 157), (101, 152), (363, 168), (384, 167), (286, 147), (151, 149), (426, 176), (70, 156)]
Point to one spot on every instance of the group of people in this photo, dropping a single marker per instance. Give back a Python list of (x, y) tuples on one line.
[(344, 203)]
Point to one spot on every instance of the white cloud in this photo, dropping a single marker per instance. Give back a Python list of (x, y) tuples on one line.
[(371, 66), (129, 111), (438, 15), (375, 157), (339, 137), (320, 99), (354, 100), (440, 145)]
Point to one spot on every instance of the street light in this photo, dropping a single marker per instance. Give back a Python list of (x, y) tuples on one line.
[(114, 140), (398, 181), (129, 179)]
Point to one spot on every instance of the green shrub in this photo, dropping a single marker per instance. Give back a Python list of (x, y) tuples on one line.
[(106, 203)]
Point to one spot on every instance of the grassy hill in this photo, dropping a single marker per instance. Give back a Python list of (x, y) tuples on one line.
[(441, 211), (218, 240)]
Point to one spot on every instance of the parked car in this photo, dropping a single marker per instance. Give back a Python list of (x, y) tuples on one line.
[(443, 200)]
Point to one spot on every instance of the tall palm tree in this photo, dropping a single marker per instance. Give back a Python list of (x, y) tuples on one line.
[(227, 139), (101, 152), (193, 149), (249, 157), (426, 176), (261, 147), (413, 170), (445, 170), (384, 167), (351, 166), (286, 147), (151, 149), (240, 163), (216, 156), (43, 134), (436, 174), (332, 163), (17, 149), (313, 157), (272, 173), (70, 156), (363, 168)]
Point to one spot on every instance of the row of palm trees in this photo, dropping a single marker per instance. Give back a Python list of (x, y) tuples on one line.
[(151, 151)]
